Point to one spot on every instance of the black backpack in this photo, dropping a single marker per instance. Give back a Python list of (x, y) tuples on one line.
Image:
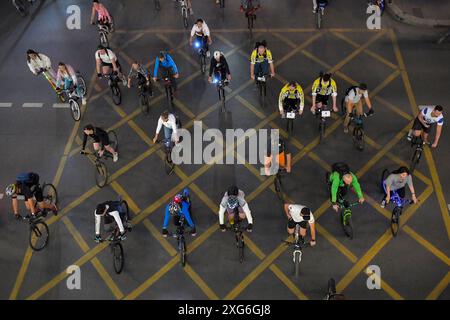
[(340, 167), (350, 89), (27, 178)]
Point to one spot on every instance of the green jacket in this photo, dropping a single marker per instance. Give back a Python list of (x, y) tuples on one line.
[(337, 182)]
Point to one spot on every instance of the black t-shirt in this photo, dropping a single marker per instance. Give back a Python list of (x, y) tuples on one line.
[(99, 135), (219, 66)]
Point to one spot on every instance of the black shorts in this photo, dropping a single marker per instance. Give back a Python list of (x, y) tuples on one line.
[(32, 191), (417, 125), (323, 99), (290, 105), (103, 139), (104, 64), (292, 224)]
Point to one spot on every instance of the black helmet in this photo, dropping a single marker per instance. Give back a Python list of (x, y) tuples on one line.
[(100, 209), (233, 191)]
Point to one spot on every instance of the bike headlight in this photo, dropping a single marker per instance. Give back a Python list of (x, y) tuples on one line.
[(215, 80), (197, 44)]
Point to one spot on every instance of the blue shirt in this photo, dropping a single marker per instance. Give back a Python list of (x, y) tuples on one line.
[(166, 63), (183, 212)]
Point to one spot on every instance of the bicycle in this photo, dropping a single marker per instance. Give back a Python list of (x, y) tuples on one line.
[(397, 200), (144, 93), (199, 45), (278, 185), (168, 89), (23, 6), (72, 97), (262, 87), (169, 166), (114, 86), (299, 243), (184, 12), (103, 32), (181, 241), (157, 5), (115, 239), (320, 12), (39, 232), (101, 173), (221, 84), (321, 116), (345, 210), (418, 143), (239, 236)]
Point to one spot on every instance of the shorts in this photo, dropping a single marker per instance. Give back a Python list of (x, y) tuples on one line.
[(323, 99), (417, 125), (232, 211), (292, 224), (290, 105), (104, 64), (32, 191), (103, 139)]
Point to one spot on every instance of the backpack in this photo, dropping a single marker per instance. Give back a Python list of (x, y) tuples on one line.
[(340, 167), (350, 89), (27, 178)]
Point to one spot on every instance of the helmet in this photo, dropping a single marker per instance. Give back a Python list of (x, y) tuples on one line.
[(100, 209), (178, 198), (10, 190), (217, 55), (232, 202), (174, 208), (233, 191)]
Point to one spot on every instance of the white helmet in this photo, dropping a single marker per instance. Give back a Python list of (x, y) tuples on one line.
[(217, 54)]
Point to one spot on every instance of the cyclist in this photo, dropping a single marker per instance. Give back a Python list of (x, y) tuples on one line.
[(320, 2), (302, 216), (103, 16), (219, 67), (397, 181), (180, 206), (322, 88), (260, 61), (27, 185), (38, 62), (111, 210), (101, 141), (168, 67), (67, 76), (249, 6), (234, 199), (140, 72), (200, 32), (428, 116), (283, 159), (106, 60), (340, 180), (291, 98), (170, 124), (352, 99)]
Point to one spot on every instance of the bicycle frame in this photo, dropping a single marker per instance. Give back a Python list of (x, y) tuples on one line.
[(395, 198)]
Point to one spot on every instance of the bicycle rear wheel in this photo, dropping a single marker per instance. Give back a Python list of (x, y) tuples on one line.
[(321, 129), (415, 159), (358, 138), (118, 257), (277, 185), (331, 287), (347, 224), (75, 110), (101, 174), (297, 258), (318, 18), (203, 63), (157, 5), (39, 235), (145, 107), (49, 193), (241, 246), (104, 39), (116, 93), (395, 220), (290, 127), (222, 4), (222, 98), (182, 249)]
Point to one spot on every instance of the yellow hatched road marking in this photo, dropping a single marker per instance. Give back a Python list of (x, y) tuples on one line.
[(441, 286)]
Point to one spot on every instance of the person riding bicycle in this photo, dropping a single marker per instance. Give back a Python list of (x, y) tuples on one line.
[(428, 116), (170, 123), (291, 98), (106, 62), (140, 72), (260, 61), (302, 216), (103, 16), (234, 199), (38, 62), (168, 68), (219, 67), (340, 180), (282, 161), (322, 88), (353, 99), (178, 207), (111, 210), (27, 185), (249, 6), (200, 34), (397, 181), (323, 3), (101, 141), (67, 76)]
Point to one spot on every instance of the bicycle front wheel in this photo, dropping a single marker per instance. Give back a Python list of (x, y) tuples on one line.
[(347, 224), (75, 110), (118, 257), (104, 39), (101, 174), (39, 235), (415, 159), (49, 193), (116, 94), (358, 138), (297, 258), (82, 85), (145, 104)]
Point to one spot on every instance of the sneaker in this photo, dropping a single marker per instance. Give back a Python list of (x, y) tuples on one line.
[(409, 136), (83, 101), (383, 203), (124, 82), (115, 157), (17, 216), (208, 54), (193, 232), (314, 9), (345, 129)]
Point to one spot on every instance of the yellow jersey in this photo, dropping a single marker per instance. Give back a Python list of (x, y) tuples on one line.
[(255, 57), (324, 88), (286, 93)]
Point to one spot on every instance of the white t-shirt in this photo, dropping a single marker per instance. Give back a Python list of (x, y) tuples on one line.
[(429, 119), (171, 123), (355, 97), (106, 58), (295, 212), (203, 30)]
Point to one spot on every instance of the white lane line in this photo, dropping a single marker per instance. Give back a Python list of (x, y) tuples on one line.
[(32, 105), (61, 105), (5, 105)]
